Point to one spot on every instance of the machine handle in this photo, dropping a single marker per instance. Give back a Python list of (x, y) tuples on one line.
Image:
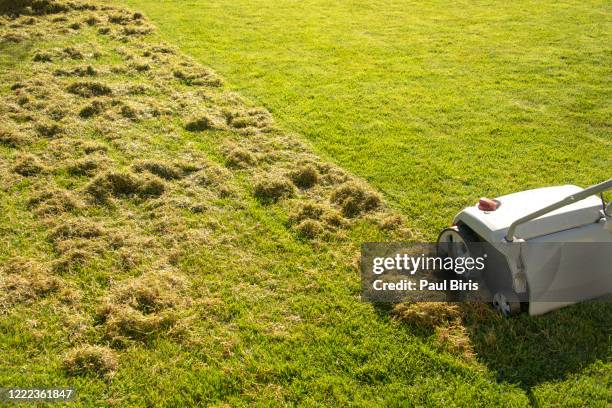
[(581, 195)]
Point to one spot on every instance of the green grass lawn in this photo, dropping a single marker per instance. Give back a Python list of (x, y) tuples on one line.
[(107, 196), (434, 103)]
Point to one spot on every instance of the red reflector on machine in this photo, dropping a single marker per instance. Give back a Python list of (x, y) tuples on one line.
[(486, 204)]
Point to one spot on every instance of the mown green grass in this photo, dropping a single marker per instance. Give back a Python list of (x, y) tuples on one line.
[(434, 103), (278, 319)]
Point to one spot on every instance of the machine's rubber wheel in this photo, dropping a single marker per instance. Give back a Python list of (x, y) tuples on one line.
[(507, 303), (455, 242)]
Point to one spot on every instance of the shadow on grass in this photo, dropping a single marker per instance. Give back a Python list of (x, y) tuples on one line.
[(530, 350)]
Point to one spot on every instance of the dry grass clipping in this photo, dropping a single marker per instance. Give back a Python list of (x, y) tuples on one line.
[(197, 77), (240, 158), (273, 188), (28, 165), (251, 118), (48, 129), (445, 320), (355, 199), (25, 280), (427, 315), (12, 138), (140, 308), (94, 147), (87, 166), (201, 122), (305, 176), (87, 359), (309, 229), (161, 169), (455, 340), (89, 89), (316, 211), (123, 324), (76, 228), (54, 202), (124, 185), (95, 108)]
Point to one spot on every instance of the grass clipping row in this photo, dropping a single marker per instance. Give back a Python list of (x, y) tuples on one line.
[(82, 109)]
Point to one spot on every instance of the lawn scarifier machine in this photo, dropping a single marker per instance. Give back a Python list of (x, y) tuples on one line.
[(543, 242)]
